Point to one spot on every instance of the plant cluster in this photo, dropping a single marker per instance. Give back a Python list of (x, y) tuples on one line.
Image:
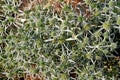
[(64, 46)]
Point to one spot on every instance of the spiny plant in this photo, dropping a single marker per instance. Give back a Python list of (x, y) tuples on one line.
[(64, 46)]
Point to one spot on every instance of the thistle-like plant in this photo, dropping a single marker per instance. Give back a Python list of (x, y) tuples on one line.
[(60, 46)]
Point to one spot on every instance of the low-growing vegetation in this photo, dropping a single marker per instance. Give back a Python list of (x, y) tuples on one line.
[(57, 41)]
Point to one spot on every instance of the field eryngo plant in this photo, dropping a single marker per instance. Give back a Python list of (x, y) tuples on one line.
[(60, 46)]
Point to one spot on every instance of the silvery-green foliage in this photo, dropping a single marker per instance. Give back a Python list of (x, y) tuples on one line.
[(59, 43)]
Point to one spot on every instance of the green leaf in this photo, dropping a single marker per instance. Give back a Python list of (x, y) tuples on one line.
[(106, 25), (111, 3), (86, 27), (80, 18), (113, 46), (118, 20)]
